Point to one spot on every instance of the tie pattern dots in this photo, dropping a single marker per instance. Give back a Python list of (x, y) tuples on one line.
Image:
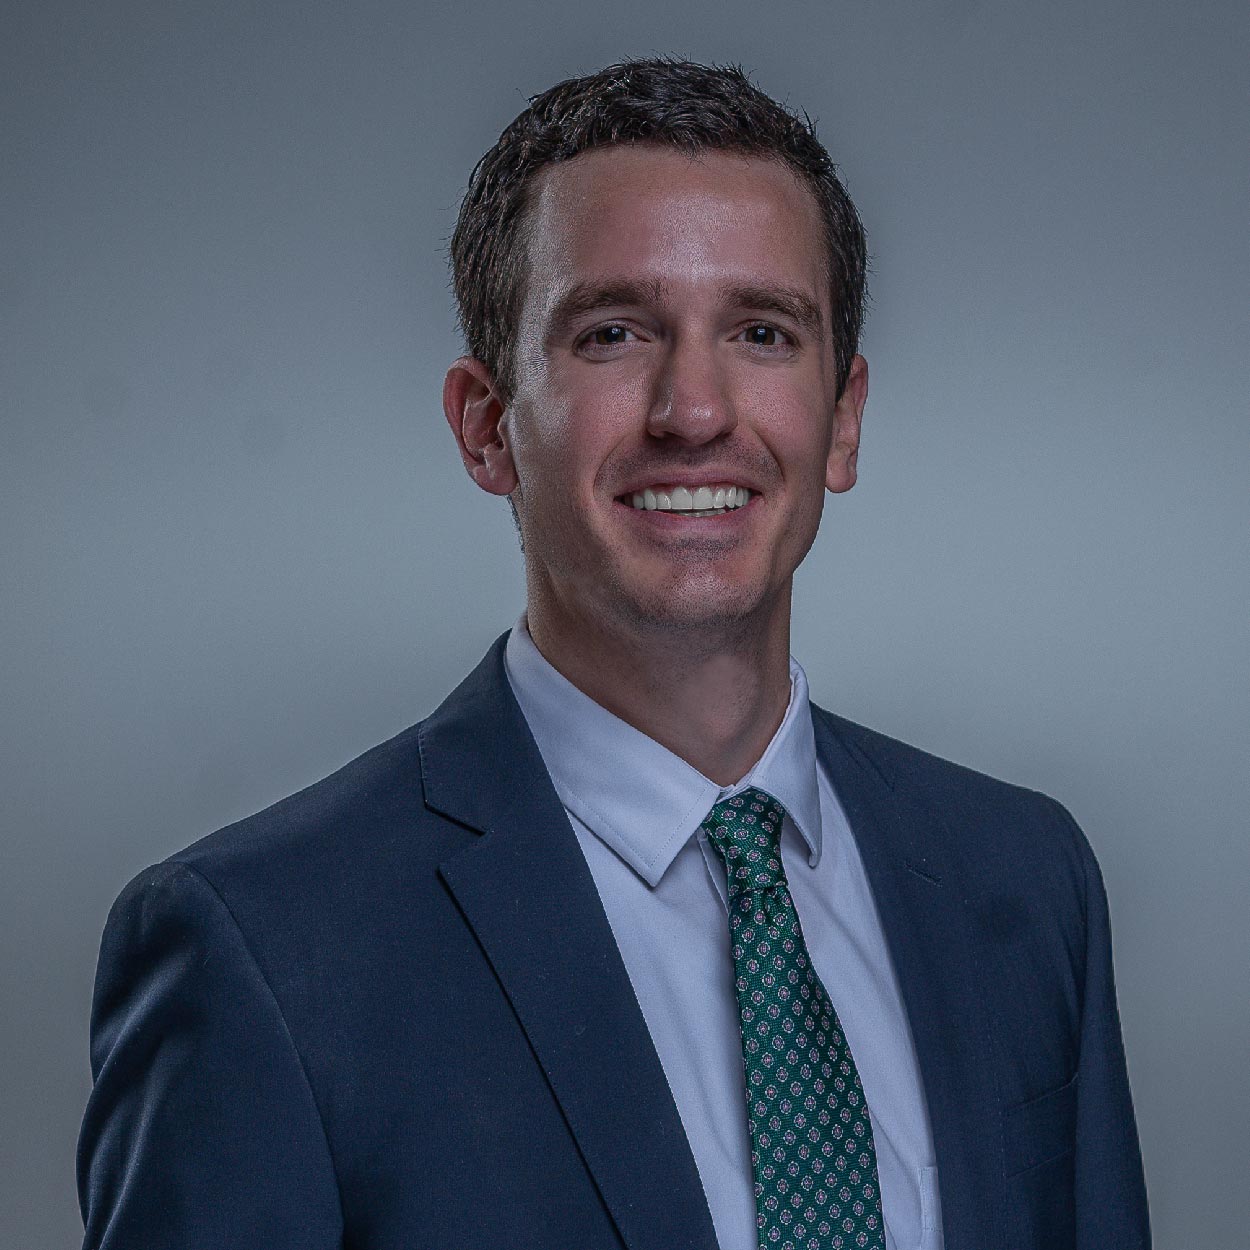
[(812, 1152)]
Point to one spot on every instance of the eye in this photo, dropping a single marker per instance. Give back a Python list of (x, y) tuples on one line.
[(767, 336), (607, 336)]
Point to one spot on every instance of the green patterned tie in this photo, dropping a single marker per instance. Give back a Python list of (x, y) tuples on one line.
[(812, 1152)]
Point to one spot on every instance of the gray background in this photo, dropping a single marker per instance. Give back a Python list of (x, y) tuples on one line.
[(238, 547)]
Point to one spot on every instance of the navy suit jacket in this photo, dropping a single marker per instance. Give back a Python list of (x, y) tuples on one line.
[(389, 1012)]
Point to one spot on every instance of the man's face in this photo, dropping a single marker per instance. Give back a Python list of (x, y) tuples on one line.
[(674, 350)]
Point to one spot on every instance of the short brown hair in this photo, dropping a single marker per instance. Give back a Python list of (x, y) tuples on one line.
[(665, 101)]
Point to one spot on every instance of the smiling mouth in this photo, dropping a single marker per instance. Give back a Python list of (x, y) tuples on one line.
[(701, 501)]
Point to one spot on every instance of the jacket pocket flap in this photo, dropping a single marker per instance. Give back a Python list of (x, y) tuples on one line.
[(1041, 1129)]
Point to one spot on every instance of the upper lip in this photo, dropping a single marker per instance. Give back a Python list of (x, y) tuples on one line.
[(689, 479)]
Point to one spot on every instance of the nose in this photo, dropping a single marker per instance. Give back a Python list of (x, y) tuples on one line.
[(691, 398)]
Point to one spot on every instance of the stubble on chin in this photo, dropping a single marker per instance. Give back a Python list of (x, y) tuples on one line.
[(696, 616)]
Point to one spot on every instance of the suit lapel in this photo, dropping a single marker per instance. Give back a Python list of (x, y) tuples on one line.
[(916, 879), (526, 891)]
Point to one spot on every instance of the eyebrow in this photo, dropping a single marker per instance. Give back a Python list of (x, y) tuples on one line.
[(788, 301), (587, 297)]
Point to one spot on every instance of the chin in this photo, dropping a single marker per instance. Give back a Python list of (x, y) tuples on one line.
[(707, 605)]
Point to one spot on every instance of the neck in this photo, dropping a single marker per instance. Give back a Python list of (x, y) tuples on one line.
[(714, 696)]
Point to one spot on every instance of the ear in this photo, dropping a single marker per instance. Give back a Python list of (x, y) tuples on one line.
[(477, 416), (848, 414)]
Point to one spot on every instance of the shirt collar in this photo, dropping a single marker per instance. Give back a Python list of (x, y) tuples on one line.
[(636, 795)]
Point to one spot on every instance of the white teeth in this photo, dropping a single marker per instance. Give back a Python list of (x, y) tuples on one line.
[(702, 501)]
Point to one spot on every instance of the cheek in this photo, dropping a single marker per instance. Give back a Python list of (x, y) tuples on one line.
[(799, 436), (586, 416), (540, 427), (557, 449)]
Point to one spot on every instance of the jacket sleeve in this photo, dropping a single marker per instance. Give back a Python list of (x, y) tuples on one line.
[(201, 1129), (1110, 1188)]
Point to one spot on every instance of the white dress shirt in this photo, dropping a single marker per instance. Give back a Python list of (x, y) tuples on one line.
[(635, 809)]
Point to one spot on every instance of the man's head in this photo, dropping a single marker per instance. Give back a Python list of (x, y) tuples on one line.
[(661, 284), (681, 105)]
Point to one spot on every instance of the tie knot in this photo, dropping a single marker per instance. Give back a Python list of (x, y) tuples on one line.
[(746, 832)]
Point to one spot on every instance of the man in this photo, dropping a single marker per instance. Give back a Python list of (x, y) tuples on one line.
[(629, 943)]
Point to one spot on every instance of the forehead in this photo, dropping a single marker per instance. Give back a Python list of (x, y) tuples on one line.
[(690, 224)]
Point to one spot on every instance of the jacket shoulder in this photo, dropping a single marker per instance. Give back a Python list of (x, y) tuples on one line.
[(364, 831), (991, 822)]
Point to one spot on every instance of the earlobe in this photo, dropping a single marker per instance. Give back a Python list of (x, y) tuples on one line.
[(477, 417), (840, 469)]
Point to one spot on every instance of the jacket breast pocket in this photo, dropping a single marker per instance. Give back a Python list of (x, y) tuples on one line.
[(1042, 1129)]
